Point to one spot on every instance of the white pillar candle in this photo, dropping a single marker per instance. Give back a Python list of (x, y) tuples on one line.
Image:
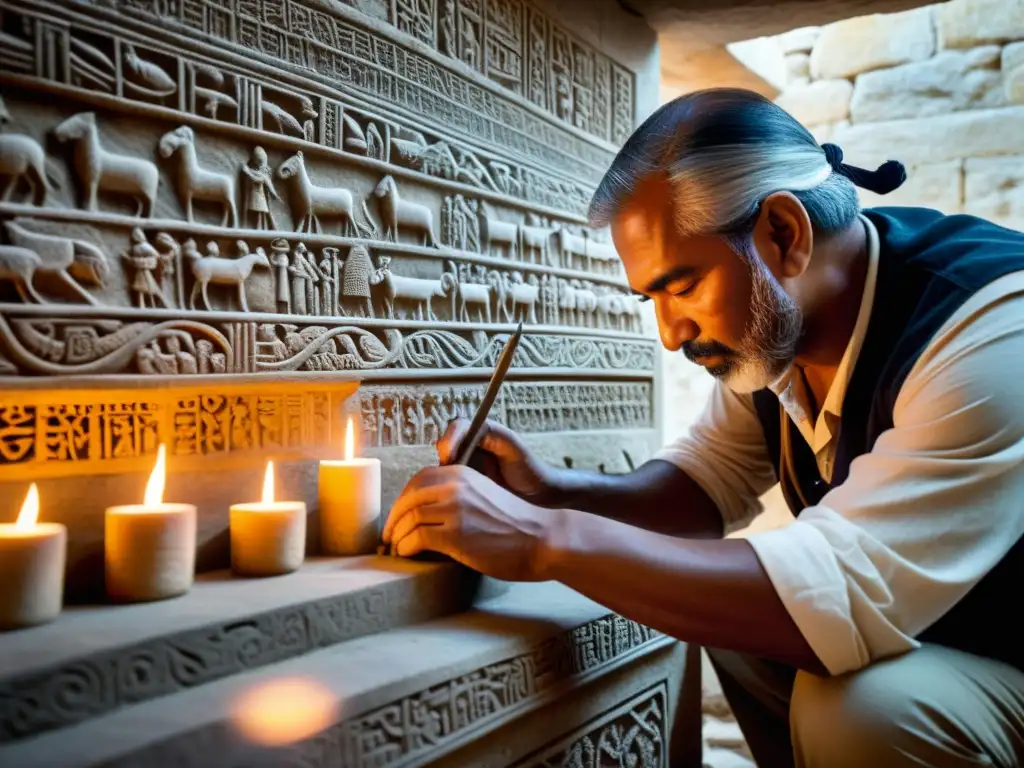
[(349, 494), (268, 537), (150, 547), (32, 557)]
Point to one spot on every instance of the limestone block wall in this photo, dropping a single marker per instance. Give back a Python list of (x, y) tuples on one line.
[(940, 88)]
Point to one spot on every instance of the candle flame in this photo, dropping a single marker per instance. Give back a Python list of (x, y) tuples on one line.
[(29, 509), (350, 441), (155, 487), (268, 484)]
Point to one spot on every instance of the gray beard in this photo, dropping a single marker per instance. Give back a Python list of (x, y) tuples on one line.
[(772, 334)]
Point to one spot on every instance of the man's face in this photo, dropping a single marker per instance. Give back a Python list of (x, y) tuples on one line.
[(726, 313)]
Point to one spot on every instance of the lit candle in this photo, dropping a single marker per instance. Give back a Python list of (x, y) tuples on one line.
[(32, 556), (150, 547), (350, 502), (268, 537)]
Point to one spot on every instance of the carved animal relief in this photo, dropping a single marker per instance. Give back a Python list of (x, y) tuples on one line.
[(168, 209)]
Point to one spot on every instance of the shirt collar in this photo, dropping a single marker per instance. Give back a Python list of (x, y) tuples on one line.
[(790, 387)]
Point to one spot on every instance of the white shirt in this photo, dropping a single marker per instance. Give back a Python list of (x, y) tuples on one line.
[(921, 518)]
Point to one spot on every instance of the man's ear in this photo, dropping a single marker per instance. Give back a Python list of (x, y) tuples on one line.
[(783, 235)]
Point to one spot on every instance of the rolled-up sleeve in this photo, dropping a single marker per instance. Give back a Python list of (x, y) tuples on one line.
[(725, 454), (930, 510)]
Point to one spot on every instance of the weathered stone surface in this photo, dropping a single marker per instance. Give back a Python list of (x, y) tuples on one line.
[(762, 56), (800, 40), (931, 185), (947, 82), (1013, 72), (994, 189), (966, 23), (974, 133), (847, 48), (798, 68), (817, 102), (517, 652)]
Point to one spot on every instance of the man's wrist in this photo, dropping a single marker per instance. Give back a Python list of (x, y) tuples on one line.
[(553, 545)]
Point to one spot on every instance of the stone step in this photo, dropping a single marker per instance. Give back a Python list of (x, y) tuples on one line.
[(96, 659), (404, 697)]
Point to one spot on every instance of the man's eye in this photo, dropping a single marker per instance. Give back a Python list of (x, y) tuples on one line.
[(641, 297), (686, 290)]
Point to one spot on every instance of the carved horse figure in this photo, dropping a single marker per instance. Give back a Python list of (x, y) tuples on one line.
[(220, 271), (195, 182), (100, 170), (400, 214), (309, 202), (21, 156), (519, 293), (32, 253), (415, 289)]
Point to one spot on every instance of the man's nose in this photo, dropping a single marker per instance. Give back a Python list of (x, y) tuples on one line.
[(675, 329)]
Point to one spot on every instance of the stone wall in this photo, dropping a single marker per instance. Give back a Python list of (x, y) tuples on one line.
[(940, 88)]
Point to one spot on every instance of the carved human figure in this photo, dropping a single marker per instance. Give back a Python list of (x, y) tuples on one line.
[(99, 170), (303, 279), (355, 279), (170, 253), (279, 249), (329, 276), (261, 189), (195, 182), (145, 261)]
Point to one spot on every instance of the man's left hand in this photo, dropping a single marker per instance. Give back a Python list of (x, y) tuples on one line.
[(461, 513)]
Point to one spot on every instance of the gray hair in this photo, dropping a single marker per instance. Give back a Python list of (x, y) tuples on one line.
[(724, 150)]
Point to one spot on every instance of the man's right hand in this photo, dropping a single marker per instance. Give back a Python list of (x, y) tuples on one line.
[(506, 460)]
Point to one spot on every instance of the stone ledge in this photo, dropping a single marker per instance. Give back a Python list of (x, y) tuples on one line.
[(445, 684), (94, 660)]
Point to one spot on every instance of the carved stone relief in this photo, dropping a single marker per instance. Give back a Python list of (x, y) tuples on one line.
[(418, 415), (104, 431), (634, 733)]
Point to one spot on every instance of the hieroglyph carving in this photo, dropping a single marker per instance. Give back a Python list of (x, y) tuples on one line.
[(340, 50), (228, 95), (418, 415), (94, 685), (427, 722), (521, 48), (632, 735), (44, 434)]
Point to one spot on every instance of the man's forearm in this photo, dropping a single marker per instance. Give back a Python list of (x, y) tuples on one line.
[(657, 496), (713, 593)]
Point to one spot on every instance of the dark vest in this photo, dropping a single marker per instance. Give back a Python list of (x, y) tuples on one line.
[(929, 265)]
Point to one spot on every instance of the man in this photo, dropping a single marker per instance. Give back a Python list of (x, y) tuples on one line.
[(870, 362)]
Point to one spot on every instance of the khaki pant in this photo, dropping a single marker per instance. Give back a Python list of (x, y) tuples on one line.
[(931, 707)]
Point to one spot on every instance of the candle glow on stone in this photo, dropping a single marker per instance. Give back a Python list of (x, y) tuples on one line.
[(350, 441), (283, 711)]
